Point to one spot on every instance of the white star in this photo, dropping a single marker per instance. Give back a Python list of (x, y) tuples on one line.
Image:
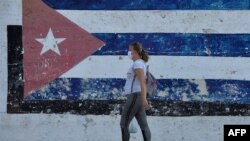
[(50, 43)]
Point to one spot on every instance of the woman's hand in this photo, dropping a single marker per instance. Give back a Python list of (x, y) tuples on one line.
[(145, 104)]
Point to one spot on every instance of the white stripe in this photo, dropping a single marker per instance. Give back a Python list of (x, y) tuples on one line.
[(165, 67), (10, 14), (161, 21)]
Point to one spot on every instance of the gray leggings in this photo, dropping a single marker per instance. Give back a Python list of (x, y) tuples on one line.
[(134, 108)]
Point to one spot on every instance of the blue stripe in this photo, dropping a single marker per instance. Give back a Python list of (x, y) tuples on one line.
[(149, 4), (229, 45), (218, 90)]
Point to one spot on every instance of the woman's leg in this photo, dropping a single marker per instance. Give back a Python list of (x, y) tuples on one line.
[(141, 118), (128, 113)]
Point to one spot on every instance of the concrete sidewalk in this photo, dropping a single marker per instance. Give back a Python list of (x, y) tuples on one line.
[(66, 127)]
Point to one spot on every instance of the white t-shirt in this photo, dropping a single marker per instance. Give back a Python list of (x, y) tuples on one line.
[(138, 64)]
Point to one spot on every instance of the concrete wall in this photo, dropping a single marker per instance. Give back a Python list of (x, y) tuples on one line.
[(64, 127), (40, 127)]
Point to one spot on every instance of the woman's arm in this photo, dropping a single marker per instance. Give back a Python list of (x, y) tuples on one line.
[(140, 75)]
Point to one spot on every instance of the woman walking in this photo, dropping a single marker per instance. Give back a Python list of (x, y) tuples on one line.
[(136, 92)]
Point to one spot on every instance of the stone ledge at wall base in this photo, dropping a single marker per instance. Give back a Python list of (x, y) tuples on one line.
[(65, 127)]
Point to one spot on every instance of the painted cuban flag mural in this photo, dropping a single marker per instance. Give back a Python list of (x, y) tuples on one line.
[(77, 49)]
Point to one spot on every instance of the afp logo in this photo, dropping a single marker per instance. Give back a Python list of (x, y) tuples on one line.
[(237, 132)]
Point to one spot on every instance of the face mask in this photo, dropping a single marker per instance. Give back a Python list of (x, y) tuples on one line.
[(130, 54)]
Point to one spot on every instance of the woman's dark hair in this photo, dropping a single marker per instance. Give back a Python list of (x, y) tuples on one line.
[(140, 50)]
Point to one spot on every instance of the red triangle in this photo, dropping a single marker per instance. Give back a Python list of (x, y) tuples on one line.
[(40, 69)]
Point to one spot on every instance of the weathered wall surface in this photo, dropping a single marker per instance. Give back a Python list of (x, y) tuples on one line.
[(10, 15), (40, 127), (200, 56)]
